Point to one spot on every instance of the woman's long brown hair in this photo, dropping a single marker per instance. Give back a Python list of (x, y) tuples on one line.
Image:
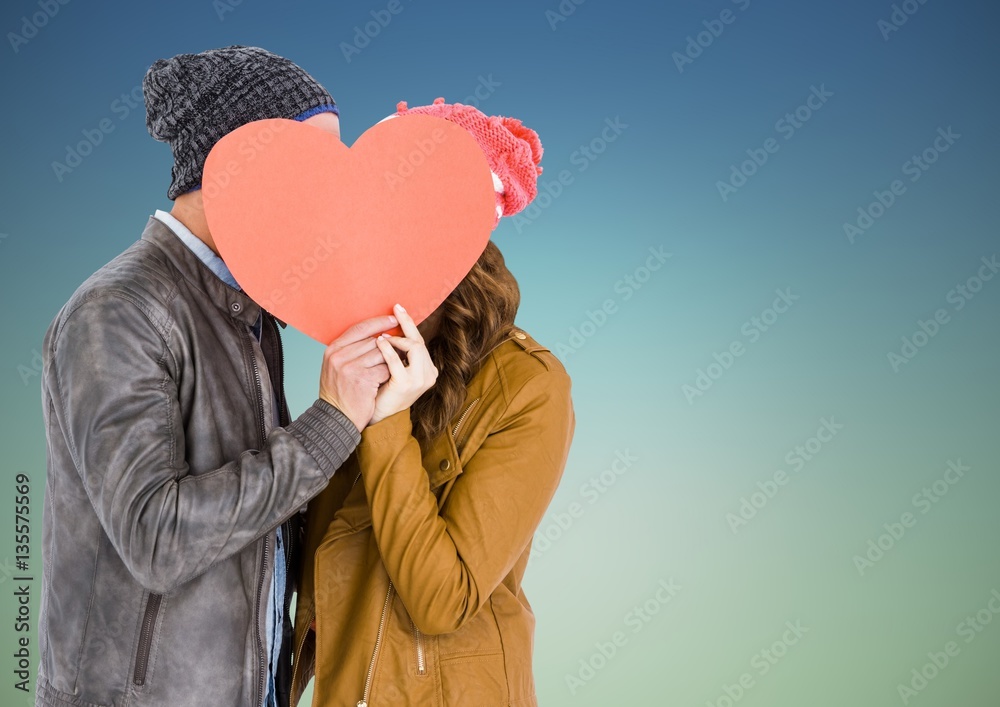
[(475, 317)]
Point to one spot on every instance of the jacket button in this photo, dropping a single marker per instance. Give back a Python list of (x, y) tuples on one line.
[(520, 335), (444, 465), (236, 306)]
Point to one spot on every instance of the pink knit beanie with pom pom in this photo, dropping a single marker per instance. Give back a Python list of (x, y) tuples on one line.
[(512, 150)]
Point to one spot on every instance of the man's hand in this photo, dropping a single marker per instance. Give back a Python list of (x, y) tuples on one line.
[(354, 368)]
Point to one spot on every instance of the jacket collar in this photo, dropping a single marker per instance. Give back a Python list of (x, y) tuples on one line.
[(234, 302), (443, 460)]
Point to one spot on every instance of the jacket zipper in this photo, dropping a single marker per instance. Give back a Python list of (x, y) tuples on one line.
[(363, 702), (261, 658), (257, 380), (146, 638), (153, 602), (282, 419), (287, 599), (281, 365), (418, 642), (417, 636), (458, 425), (286, 529)]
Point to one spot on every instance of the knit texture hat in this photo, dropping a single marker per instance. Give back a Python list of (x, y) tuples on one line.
[(193, 100), (512, 150)]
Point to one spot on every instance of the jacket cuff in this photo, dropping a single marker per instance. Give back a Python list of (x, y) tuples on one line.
[(394, 427), (327, 434)]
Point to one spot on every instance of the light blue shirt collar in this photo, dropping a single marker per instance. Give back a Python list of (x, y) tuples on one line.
[(198, 247)]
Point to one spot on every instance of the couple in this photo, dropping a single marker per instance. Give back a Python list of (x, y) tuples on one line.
[(173, 531)]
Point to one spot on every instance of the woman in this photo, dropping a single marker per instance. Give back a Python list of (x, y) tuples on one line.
[(410, 592)]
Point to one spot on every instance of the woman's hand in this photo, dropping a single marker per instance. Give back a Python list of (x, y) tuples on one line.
[(407, 382)]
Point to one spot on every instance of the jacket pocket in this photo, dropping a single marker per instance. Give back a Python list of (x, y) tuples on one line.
[(477, 679), (51, 697), (146, 638)]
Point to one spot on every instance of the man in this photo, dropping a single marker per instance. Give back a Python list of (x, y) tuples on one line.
[(175, 474)]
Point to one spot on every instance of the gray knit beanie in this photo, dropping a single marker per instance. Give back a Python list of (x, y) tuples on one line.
[(192, 100)]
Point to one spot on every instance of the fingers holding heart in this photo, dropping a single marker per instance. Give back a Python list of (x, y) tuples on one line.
[(408, 380)]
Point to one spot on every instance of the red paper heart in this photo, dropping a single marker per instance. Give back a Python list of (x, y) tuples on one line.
[(323, 236)]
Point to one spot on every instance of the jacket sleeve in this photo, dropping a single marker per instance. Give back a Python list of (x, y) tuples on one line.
[(116, 400), (445, 566)]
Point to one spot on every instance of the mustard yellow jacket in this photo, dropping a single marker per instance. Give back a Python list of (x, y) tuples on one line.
[(413, 561)]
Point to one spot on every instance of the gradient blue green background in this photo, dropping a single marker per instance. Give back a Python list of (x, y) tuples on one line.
[(654, 186)]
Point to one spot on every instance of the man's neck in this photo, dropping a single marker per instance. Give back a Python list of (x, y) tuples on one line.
[(188, 210)]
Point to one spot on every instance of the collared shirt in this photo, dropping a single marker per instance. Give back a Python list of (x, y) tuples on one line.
[(199, 248), (276, 602)]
